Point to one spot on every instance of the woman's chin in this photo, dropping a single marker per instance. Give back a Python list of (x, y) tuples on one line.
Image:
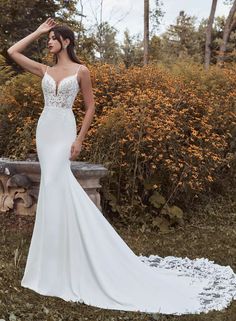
[(52, 51)]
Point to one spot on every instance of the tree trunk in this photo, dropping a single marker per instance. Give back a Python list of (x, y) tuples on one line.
[(209, 34), (146, 31), (226, 33)]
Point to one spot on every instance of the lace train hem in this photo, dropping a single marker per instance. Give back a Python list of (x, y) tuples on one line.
[(221, 289)]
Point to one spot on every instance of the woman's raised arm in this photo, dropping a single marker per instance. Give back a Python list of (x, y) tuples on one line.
[(28, 64)]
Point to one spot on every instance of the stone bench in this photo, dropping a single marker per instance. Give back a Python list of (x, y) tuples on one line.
[(19, 183)]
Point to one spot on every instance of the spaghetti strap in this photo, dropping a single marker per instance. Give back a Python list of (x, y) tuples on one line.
[(46, 70), (78, 69), (78, 72)]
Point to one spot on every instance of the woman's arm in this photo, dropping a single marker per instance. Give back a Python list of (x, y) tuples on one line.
[(87, 92), (28, 64)]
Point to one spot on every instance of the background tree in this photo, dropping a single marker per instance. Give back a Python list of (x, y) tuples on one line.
[(209, 34), (155, 49), (132, 53), (182, 40), (105, 43), (229, 25), (19, 18), (156, 15), (146, 32)]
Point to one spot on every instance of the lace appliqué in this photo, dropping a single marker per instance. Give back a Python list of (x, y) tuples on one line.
[(221, 289), (66, 91)]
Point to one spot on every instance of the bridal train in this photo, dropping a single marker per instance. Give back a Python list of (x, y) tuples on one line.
[(76, 255)]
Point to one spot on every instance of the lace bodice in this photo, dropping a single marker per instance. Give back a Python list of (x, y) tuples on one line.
[(60, 95)]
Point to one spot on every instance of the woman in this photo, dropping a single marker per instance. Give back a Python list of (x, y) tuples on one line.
[(75, 254)]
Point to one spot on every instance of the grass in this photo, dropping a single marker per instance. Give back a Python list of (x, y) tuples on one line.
[(208, 231)]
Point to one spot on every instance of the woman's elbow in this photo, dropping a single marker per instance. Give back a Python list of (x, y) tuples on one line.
[(10, 51)]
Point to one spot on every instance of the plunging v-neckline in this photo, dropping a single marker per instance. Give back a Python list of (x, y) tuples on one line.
[(57, 85)]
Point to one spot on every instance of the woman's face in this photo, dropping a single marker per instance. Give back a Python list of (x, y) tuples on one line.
[(53, 44)]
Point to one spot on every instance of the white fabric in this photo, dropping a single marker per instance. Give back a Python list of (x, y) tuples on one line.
[(75, 254)]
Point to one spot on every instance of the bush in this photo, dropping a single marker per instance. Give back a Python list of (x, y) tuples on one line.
[(165, 135)]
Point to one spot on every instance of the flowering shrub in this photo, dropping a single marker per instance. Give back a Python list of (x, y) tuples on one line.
[(165, 135), (21, 102)]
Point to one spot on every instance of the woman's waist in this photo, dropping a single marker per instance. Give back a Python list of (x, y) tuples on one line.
[(58, 109)]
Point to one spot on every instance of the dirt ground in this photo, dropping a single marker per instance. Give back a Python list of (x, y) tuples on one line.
[(209, 231)]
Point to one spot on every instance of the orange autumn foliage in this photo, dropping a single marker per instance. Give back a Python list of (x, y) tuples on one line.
[(173, 128)]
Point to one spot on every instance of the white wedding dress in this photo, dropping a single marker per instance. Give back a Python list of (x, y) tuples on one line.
[(76, 255)]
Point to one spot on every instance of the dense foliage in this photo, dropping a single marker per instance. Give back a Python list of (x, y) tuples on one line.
[(166, 135)]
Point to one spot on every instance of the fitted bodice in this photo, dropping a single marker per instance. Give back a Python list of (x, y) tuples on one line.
[(60, 95)]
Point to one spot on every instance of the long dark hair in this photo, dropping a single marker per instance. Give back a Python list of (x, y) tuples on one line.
[(66, 32)]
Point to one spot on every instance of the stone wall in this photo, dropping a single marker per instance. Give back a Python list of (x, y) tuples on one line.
[(19, 183)]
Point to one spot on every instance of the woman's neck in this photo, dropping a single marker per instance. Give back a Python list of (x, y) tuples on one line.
[(63, 60)]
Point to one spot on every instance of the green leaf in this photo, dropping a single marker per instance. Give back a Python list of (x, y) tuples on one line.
[(175, 212), (157, 199)]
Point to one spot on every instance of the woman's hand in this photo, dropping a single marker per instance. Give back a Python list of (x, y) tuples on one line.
[(46, 26), (75, 149)]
